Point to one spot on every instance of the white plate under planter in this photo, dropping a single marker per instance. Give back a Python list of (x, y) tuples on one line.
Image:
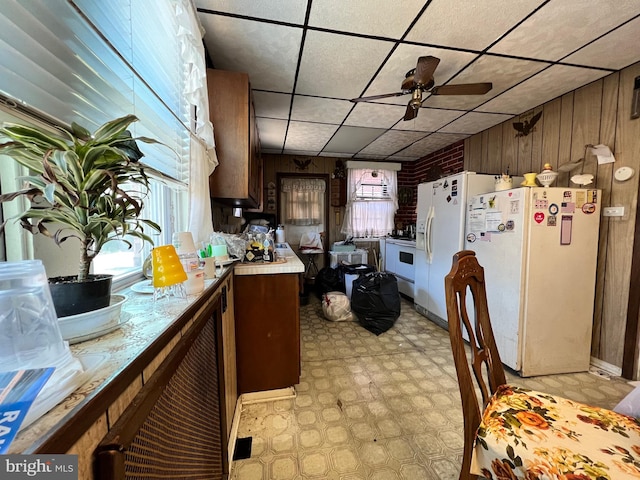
[(88, 325)]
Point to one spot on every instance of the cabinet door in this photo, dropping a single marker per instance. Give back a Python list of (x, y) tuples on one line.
[(267, 309), (237, 180)]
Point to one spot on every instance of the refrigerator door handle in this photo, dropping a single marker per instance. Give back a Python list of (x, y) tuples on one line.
[(427, 240)]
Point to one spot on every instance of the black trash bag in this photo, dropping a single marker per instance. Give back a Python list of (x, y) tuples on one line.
[(329, 280), (375, 301)]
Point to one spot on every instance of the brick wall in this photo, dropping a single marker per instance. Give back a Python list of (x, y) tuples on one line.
[(448, 160)]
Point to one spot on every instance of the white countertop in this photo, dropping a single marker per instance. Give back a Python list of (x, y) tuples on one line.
[(292, 264)]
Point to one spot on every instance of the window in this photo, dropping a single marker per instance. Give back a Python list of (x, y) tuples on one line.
[(90, 61), (371, 202)]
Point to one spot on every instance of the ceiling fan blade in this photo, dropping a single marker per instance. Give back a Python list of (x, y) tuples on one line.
[(424, 69), (462, 89), (376, 97), (407, 83), (411, 112)]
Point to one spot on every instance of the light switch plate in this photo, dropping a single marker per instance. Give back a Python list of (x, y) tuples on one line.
[(613, 212)]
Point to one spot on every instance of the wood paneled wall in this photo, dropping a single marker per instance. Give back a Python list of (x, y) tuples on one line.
[(598, 113)]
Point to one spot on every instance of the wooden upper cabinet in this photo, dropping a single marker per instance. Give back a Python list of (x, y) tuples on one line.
[(237, 180)]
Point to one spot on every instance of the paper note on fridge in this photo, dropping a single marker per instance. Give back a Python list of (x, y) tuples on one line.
[(476, 221), (493, 220), (603, 153)]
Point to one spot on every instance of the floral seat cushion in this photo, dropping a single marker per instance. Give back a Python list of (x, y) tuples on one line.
[(534, 435)]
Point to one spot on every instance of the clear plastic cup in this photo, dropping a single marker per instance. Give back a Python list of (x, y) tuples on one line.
[(29, 333)]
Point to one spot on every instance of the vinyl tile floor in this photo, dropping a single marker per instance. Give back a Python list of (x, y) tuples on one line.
[(378, 407)]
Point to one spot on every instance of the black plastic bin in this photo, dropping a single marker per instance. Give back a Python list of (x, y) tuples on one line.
[(375, 301)]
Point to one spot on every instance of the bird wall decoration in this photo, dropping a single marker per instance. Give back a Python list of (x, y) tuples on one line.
[(526, 127), (302, 164)]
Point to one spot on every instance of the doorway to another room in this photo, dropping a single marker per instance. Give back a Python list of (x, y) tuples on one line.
[(303, 211)]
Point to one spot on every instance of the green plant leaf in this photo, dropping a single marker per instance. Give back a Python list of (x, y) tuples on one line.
[(110, 130)]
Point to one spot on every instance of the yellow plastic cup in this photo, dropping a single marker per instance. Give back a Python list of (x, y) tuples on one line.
[(167, 269)]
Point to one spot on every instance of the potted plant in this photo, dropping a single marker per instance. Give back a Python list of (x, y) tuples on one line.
[(82, 186)]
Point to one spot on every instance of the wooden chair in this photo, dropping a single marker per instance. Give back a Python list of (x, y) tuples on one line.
[(522, 433), (467, 276)]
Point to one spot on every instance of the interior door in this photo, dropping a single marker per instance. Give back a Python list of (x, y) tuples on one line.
[(303, 202)]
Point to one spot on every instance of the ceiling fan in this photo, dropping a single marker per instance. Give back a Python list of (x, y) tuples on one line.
[(419, 80)]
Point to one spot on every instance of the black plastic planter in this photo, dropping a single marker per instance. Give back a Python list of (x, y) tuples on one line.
[(71, 297)]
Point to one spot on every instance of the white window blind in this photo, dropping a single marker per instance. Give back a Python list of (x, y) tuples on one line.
[(372, 185), (90, 61)]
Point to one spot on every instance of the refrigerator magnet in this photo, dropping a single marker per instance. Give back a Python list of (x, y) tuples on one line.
[(551, 221), (588, 208), (568, 207), (566, 226), (553, 209), (538, 217), (581, 198), (471, 237), (592, 196), (510, 225)]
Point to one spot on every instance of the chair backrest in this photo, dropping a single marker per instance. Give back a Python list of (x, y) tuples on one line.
[(467, 276)]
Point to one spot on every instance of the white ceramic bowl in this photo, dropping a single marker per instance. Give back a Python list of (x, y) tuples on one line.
[(87, 323), (546, 178)]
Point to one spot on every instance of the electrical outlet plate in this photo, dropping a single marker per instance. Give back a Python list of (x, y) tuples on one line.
[(613, 212)]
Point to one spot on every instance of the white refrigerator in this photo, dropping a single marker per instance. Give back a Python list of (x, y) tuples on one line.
[(440, 223), (539, 249)]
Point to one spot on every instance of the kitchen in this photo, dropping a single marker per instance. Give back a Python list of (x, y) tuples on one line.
[(595, 113)]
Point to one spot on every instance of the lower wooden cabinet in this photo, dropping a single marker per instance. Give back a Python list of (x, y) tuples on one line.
[(267, 315)]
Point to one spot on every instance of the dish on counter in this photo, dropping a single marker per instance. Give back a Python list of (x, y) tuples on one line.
[(124, 318), (145, 286), (93, 322)]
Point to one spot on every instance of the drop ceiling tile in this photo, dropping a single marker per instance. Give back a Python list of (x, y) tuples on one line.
[(606, 52), (322, 110), (391, 142), (272, 105), (308, 136), (503, 72), (339, 66), (575, 22), (446, 22), (474, 122), (375, 115), (370, 17), (290, 11), (405, 58), (541, 88), (429, 120), (404, 158), (352, 139), (432, 143), (267, 52), (271, 132)]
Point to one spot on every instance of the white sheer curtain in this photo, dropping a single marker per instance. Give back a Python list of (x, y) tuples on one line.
[(372, 201), (303, 200), (302, 207), (203, 159)]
